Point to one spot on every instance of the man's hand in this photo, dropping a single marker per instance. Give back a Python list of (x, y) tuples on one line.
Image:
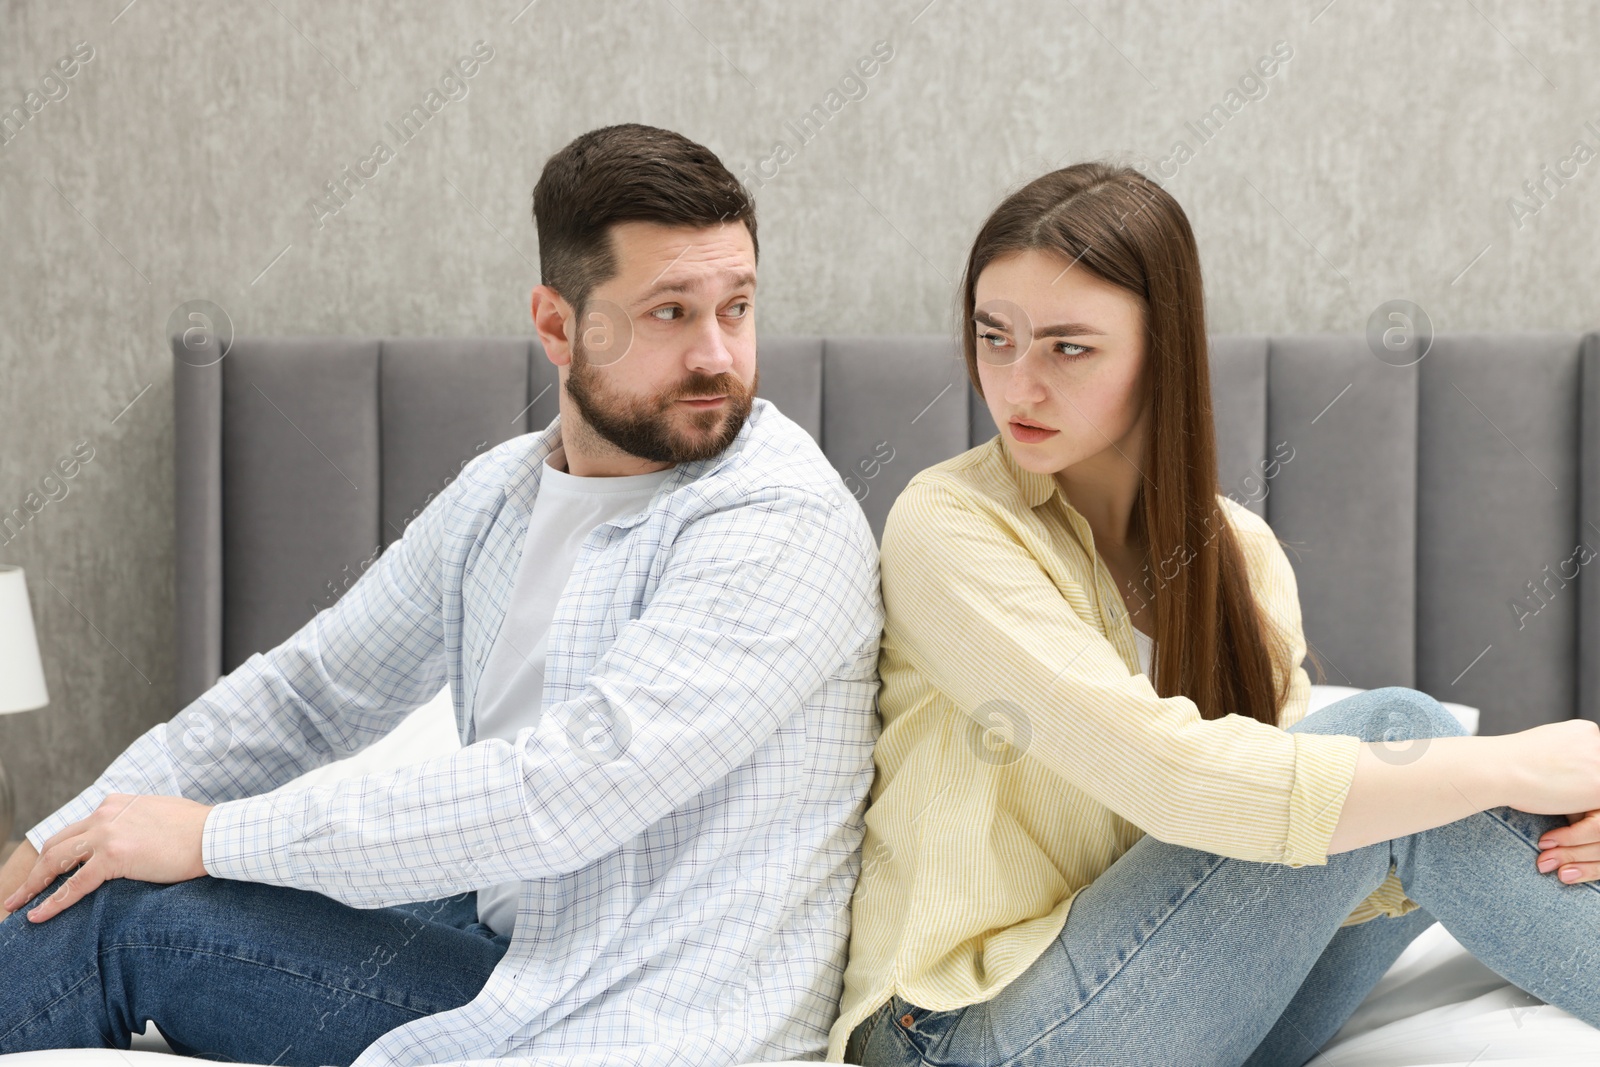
[(1574, 847), (146, 838)]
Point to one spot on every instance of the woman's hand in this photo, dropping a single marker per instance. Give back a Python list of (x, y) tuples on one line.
[(1555, 770), (1574, 848), (146, 838)]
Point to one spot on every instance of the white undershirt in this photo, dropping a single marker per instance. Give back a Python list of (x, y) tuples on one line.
[(566, 510), (1147, 647)]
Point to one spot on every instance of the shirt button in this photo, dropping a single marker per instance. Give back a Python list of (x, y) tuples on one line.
[(833, 498)]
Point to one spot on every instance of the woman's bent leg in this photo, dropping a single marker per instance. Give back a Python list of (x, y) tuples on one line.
[(235, 970), (1174, 955), (1343, 976)]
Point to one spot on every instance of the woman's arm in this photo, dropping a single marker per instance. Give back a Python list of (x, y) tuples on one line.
[(1401, 787), (1551, 769)]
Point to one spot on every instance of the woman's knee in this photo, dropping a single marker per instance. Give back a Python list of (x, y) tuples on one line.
[(1391, 713)]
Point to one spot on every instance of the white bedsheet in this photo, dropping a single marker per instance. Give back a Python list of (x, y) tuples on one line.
[(1439, 1005)]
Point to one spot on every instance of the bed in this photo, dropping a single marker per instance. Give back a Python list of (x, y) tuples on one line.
[(1428, 509)]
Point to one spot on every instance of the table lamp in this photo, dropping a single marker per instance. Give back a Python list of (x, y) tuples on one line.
[(21, 674)]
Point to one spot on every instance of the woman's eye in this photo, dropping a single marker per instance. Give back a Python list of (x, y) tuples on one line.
[(991, 337), (1083, 350)]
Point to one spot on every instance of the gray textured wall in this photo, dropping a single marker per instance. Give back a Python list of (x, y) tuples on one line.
[(186, 159)]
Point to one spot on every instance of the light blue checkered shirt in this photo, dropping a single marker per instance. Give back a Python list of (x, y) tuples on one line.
[(687, 815)]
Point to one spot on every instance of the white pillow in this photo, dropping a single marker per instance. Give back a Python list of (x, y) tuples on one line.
[(427, 732), (1323, 695)]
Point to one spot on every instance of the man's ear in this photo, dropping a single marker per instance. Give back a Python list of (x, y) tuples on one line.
[(553, 321)]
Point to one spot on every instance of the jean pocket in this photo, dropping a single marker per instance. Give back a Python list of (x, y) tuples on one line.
[(856, 1045)]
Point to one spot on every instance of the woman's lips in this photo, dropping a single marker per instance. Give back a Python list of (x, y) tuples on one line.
[(1029, 434)]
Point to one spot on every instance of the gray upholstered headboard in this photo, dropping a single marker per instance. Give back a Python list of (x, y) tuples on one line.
[(1440, 514)]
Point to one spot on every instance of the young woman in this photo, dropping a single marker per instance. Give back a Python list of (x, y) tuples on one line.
[(1104, 830)]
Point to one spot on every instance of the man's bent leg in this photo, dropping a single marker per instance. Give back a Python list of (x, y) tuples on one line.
[(234, 970)]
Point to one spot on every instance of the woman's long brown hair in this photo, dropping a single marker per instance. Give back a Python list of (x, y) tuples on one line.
[(1122, 227)]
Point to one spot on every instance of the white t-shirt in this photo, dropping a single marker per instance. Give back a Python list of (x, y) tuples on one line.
[(1147, 647), (566, 510)]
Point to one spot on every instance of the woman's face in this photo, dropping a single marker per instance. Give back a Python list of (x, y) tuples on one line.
[(1063, 349)]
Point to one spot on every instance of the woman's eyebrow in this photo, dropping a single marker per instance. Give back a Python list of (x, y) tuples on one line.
[(1069, 329), (1062, 329)]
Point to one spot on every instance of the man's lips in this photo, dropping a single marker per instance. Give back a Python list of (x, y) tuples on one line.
[(703, 401)]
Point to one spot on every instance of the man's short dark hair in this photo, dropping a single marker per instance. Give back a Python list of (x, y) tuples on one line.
[(625, 173)]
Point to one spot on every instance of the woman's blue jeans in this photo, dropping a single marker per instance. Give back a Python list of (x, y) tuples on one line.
[(1178, 956), (235, 971)]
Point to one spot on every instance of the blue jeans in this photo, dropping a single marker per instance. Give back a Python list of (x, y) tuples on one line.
[(1179, 956), (235, 971)]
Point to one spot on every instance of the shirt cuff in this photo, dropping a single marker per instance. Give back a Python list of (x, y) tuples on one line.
[(143, 768), (1324, 767), (237, 842), (79, 807)]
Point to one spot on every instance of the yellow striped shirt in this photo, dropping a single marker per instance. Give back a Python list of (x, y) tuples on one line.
[(990, 810)]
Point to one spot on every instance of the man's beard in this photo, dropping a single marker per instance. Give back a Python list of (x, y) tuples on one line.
[(645, 427)]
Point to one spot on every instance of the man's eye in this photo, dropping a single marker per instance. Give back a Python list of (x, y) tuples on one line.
[(743, 306), (671, 311)]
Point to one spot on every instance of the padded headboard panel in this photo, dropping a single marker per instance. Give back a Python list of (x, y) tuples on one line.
[(1439, 516)]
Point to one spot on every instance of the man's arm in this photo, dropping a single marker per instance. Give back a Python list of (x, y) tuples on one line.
[(339, 683), (15, 871), (755, 608)]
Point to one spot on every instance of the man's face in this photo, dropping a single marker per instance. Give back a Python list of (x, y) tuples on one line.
[(676, 323)]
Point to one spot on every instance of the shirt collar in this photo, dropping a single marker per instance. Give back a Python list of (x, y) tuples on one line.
[(1035, 488)]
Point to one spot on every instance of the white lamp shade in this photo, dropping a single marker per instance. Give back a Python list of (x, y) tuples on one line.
[(21, 673)]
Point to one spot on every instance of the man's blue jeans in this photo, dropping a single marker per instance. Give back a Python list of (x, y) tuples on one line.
[(1179, 956), (235, 970)]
